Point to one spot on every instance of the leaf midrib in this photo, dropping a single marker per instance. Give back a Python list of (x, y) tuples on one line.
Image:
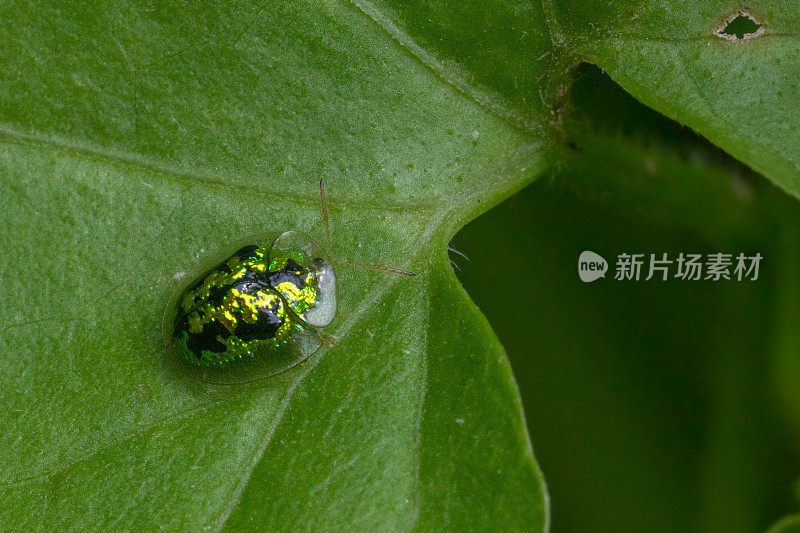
[(486, 100)]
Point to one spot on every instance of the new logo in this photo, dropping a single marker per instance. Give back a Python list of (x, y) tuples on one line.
[(591, 266)]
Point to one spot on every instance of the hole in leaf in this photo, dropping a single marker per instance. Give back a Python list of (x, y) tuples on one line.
[(740, 26)]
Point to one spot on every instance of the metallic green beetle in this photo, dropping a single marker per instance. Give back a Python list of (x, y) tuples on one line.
[(263, 302)]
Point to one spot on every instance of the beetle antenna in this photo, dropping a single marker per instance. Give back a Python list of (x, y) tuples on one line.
[(380, 268), (326, 220), (325, 217), (462, 254)]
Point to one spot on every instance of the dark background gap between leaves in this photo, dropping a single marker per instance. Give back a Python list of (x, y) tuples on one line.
[(652, 405)]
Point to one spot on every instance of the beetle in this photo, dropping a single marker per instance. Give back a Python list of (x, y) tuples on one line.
[(265, 303)]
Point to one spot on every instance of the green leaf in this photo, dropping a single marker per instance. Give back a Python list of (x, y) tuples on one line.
[(679, 398), (790, 524), (138, 141), (742, 95)]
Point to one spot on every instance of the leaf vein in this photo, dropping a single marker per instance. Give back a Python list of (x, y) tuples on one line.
[(66, 465), (9, 135), (448, 74)]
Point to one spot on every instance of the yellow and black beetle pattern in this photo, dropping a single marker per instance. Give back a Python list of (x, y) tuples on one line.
[(263, 302), (256, 301)]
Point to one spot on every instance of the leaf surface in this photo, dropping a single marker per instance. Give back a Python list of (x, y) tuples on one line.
[(140, 141)]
